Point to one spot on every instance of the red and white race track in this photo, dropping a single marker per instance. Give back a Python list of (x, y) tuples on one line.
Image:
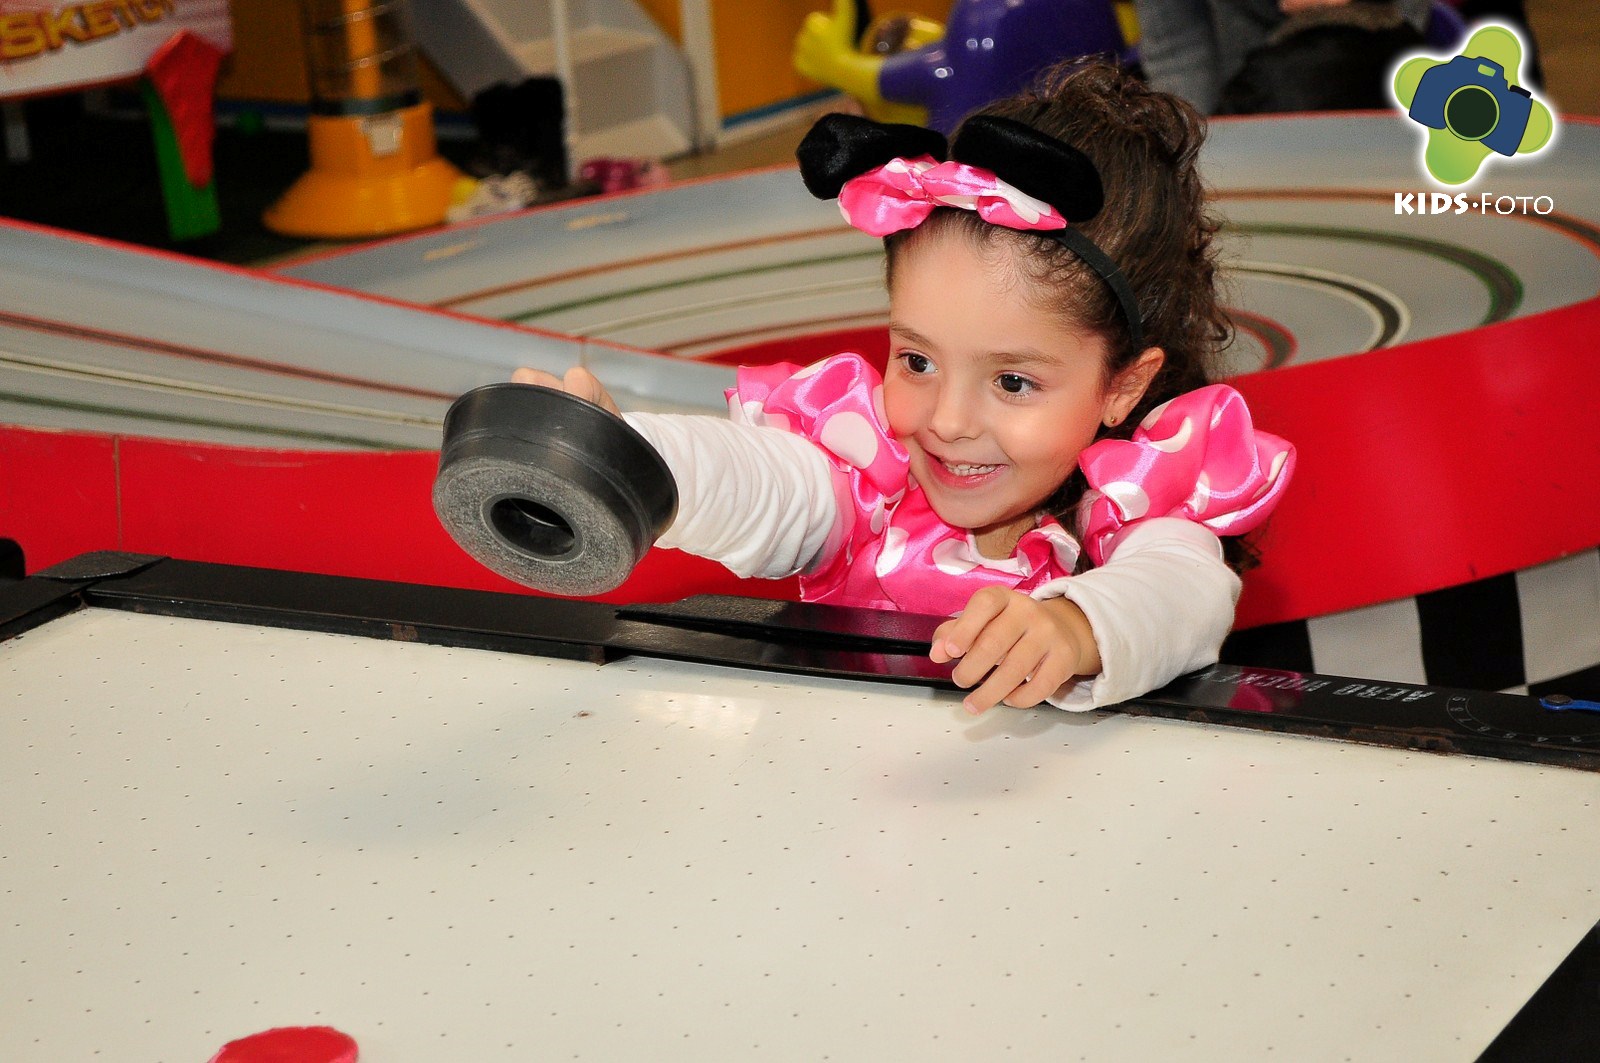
[(1428, 367)]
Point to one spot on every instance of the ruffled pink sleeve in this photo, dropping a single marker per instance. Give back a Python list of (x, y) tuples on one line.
[(836, 403), (1198, 457)]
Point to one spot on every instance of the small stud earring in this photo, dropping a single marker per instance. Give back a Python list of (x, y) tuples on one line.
[(1112, 422)]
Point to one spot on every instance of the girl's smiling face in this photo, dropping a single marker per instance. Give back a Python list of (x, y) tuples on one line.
[(992, 395)]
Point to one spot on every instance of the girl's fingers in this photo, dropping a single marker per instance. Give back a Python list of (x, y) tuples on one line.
[(577, 381), (1007, 676), (1040, 684), (537, 377), (1003, 652), (957, 637), (995, 643), (584, 384), (1006, 625)]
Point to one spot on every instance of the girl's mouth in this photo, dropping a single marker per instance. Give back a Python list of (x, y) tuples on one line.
[(961, 474)]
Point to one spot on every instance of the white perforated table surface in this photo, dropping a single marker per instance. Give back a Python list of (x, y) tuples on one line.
[(207, 830)]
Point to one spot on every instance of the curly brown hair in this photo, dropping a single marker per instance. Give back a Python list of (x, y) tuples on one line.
[(1155, 225)]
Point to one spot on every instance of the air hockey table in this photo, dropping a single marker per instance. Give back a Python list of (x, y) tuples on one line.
[(462, 824)]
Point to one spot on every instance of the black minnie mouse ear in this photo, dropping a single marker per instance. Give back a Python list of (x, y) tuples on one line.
[(1040, 165), (842, 146)]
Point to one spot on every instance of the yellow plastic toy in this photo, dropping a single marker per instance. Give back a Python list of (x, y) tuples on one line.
[(826, 51), (375, 167), (1127, 21)]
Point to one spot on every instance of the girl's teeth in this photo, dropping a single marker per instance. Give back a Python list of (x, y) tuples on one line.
[(969, 470)]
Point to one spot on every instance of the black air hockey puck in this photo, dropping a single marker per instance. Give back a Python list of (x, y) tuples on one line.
[(550, 490)]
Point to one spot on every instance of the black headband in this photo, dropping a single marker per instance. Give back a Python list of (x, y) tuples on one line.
[(843, 146)]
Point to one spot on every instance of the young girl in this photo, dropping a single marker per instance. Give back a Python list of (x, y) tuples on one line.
[(1052, 311)]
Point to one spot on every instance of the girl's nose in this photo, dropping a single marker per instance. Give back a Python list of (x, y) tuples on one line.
[(954, 416)]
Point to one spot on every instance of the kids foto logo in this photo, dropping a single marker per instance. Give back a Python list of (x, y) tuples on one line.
[(1460, 203), (1473, 105)]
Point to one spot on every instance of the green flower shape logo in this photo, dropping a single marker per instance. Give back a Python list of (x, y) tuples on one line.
[(1473, 105)]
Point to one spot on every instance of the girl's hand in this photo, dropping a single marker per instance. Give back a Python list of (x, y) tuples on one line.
[(1026, 648), (578, 381)]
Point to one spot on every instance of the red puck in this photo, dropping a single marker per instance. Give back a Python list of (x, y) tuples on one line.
[(290, 1044)]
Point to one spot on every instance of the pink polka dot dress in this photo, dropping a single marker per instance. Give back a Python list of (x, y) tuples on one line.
[(1197, 457)]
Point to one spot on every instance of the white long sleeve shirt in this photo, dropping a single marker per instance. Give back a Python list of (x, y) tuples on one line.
[(764, 502)]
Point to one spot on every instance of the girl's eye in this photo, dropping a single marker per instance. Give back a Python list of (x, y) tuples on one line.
[(1012, 384), (915, 363)]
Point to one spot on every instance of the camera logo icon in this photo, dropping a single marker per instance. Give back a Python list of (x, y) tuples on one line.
[(1473, 106), (1472, 98)]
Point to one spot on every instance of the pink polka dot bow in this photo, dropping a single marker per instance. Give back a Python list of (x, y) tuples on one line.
[(901, 193), (1198, 457)]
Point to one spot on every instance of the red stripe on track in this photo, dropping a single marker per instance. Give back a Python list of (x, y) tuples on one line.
[(336, 513)]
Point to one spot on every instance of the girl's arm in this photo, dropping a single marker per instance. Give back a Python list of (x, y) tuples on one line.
[(1159, 607), (759, 500)]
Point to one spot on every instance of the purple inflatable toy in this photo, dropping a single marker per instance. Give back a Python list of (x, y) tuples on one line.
[(993, 48)]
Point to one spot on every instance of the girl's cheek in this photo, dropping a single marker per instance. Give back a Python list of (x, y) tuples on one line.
[(898, 410)]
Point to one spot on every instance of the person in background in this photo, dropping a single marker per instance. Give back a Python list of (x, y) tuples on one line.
[(1201, 49)]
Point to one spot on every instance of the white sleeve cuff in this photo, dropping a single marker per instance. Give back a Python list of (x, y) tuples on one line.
[(759, 500), (1159, 607)]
